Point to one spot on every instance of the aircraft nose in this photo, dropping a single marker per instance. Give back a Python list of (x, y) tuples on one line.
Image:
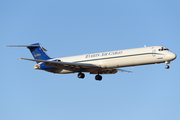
[(171, 56)]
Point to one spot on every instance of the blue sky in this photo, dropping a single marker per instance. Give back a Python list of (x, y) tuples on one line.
[(67, 28)]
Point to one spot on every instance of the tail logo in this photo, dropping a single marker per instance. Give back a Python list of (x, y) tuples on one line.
[(37, 55)]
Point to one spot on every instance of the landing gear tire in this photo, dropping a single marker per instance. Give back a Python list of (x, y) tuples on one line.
[(167, 67), (98, 77), (81, 75)]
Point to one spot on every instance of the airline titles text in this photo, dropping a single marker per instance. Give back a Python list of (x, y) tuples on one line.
[(103, 54)]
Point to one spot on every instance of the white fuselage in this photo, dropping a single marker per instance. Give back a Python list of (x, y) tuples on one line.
[(123, 58)]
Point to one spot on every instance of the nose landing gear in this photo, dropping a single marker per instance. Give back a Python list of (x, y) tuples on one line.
[(167, 66)]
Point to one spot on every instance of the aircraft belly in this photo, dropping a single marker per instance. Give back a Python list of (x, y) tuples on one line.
[(130, 61), (115, 63), (142, 60), (125, 62)]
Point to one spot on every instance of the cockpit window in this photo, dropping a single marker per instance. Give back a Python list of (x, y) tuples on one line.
[(164, 49)]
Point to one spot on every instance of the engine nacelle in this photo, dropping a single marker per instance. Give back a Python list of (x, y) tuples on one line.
[(37, 66), (42, 67)]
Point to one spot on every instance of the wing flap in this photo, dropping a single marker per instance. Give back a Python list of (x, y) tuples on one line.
[(108, 71), (120, 70)]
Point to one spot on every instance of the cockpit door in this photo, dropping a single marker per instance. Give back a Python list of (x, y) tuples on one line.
[(153, 52), (160, 55)]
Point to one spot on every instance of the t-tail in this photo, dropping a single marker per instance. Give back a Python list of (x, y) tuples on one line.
[(36, 49)]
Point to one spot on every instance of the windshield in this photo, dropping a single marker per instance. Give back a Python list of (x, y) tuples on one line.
[(163, 49)]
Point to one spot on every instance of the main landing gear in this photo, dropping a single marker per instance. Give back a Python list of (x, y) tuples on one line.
[(97, 77), (81, 75)]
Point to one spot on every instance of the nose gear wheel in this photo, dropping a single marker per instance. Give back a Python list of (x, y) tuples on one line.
[(167, 67)]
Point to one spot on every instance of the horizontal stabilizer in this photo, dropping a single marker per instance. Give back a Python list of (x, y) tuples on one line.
[(22, 46), (36, 50)]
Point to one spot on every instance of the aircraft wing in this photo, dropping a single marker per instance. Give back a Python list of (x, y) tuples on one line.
[(93, 69), (58, 64)]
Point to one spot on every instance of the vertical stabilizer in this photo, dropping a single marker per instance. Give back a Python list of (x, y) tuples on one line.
[(38, 51)]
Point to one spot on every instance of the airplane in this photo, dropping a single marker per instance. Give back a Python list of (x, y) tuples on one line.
[(98, 63)]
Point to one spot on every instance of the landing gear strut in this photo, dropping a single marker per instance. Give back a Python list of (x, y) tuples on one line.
[(81, 75), (98, 77)]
